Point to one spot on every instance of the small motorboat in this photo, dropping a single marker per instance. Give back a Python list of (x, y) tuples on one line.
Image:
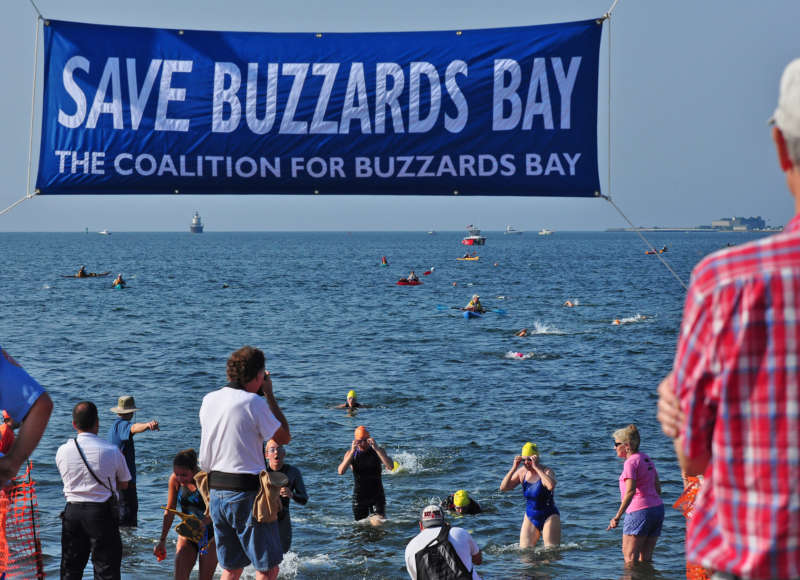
[(545, 232), (404, 282), (474, 238), (104, 233), (510, 231)]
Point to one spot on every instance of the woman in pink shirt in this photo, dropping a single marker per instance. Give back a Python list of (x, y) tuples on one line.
[(640, 491)]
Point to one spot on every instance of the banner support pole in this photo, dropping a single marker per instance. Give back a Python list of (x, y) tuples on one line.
[(33, 99)]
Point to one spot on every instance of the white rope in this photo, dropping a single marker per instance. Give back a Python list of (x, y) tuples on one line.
[(16, 203), (36, 9), (609, 98), (28, 193), (647, 243), (607, 15), (33, 102)]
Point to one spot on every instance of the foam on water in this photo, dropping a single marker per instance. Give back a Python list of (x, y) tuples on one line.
[(409, 463), (519, 355), (544, 328), (629, 319), (293, 564)]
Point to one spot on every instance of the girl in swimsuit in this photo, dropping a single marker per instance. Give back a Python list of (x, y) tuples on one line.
[(183, 490), (542, 517)]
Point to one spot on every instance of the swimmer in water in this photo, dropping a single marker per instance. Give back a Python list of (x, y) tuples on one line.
[(523, 332), (542, 518), (569, 304), (461, 503), (351, 402), (364, 458)]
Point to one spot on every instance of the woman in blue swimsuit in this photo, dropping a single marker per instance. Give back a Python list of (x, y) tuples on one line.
[(538, 481), (183, 491)]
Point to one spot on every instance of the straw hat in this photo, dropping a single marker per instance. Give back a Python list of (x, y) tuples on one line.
[(125, 405)]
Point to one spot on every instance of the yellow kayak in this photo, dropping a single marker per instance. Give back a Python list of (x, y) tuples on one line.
[(473, 259)]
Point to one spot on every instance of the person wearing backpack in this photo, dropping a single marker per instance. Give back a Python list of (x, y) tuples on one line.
[(440, 551)]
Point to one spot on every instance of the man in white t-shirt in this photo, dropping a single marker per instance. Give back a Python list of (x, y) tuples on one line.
[(430, 525), (235, 421)]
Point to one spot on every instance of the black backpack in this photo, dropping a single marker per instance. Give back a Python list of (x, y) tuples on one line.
[(439, 560)]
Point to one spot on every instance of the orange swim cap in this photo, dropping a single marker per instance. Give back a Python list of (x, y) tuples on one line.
[(361, 432)]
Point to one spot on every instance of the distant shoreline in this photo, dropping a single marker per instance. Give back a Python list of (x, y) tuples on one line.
[(709, 230)]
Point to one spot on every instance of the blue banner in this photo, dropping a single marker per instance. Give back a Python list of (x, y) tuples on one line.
[(510, 111)]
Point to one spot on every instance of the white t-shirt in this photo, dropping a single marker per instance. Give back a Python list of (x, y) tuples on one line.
[(463, 543), (105, 460), (234, 425)]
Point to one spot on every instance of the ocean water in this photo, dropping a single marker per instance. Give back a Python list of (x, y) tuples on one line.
[(450, 399)]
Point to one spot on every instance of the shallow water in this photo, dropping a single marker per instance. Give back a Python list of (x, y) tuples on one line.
[(446, 399)]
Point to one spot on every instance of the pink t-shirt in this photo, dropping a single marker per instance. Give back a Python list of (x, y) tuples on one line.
[(640, 468)]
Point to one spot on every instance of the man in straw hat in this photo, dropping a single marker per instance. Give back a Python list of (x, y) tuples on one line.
[(121, 434), (731, 401)]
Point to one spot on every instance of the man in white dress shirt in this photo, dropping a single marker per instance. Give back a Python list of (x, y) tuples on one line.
[(90, 522)]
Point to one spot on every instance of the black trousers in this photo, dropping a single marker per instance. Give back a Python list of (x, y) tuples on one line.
[(90, 528), (128, 506)]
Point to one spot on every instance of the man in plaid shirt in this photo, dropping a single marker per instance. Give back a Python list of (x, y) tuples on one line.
[(732, 402)]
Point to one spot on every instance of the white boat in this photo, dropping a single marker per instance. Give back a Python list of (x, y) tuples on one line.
[(197, 225), (545, 232), (511, 231), (104, 233), (474, 238)]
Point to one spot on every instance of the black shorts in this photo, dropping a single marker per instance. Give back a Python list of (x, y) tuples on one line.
[(365, 507)]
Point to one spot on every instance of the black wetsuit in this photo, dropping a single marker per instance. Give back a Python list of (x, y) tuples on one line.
[(368, 497), (299, 494)]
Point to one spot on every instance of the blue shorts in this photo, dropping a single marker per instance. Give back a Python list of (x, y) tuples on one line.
[(240, 540), (646, 522)]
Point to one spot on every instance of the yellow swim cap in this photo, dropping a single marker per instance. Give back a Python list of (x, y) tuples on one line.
[(351, 394), (529, 449), (461, 498)]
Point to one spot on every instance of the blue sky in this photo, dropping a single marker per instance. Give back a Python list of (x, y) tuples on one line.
[(692, 85)]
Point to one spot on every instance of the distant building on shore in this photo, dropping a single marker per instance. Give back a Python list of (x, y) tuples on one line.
[(739, 224), (733, 224)]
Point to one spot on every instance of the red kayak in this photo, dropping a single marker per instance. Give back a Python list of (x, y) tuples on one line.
[(404, 282)]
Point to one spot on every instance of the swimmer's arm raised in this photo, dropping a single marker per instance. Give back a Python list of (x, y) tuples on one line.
[(347, 460), (387, 461), (510, 481)]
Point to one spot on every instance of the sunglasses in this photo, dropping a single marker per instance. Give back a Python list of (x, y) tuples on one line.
[(273, 449), (617, 444)]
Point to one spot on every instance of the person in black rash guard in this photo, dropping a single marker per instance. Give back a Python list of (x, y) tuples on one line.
[(365, 457), (296, 490)]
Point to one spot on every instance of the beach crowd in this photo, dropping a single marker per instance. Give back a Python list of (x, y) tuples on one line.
[(729, 404)]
